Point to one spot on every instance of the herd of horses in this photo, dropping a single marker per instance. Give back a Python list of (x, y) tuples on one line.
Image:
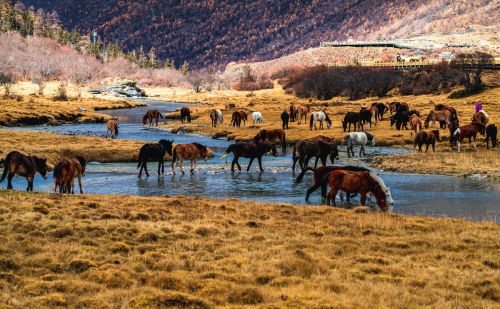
[(350, 180)]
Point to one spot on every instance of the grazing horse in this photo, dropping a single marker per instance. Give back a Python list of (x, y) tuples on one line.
[(152, 115), (112, 128), (401, 120), (352, 118), (23, 165), (321, 177), (427, 138), (365, 115), (257, 117), (217, 117), (416, 123), (293, 113), (192, 152), (250, 150), (442, 115), (65, 172), (362, 183), (185, 115), (302, 112), (452, 110), (481, 117), (491, 134), (396, 107), (285, 117), (154, 152), (358, 138), (320, 116), (236, 119), (319, 147), (381, 107), (469, 131), (272, 136)]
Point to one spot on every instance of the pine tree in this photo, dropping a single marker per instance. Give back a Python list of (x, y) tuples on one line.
[(168, 64), (141, 58), (185, 68)]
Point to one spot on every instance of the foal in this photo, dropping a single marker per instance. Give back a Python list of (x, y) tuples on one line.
[(192, 152), (112, 128)]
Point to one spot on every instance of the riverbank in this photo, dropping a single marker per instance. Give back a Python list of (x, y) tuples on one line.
[(127, 251)]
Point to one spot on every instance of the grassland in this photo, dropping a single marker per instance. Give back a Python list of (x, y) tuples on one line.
[(132, 252)]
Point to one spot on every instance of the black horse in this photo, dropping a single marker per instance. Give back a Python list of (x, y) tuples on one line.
[(285, 117), (306, 149), (454, 125), (381, 107), (250, 150), (185, 115), (352, 118), (401, 119), (365, 116), (292, 113), (491, 134), (23, 165), (154, 152)]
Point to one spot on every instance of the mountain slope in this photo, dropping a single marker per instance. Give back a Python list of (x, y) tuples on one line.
[(217, 32)]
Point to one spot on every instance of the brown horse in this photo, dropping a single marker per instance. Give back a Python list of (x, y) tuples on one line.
[(185, 115), (469, 131), (302, 112), (65, 172), (151, 115), (319, 147), (362, 183), (442, 115), (273, 136), (22, 165), (452, 110), (427, 138), (416, 123), (112, 128), (250, 150), (217, 117), (481, 117), (192, 152), (238, 117), (292, 112)]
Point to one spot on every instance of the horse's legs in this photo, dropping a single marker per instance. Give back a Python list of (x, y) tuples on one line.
[(9, 181), (363, 198), (316, 163), (191, 164), (250, 164), (233, 163), (332, 196), (426, 147), (361, 150), (181, 162), (260, 163), (433, 147), (146, 168), (80, 183)]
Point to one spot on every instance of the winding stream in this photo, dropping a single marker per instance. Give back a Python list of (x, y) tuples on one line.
[(435, 195)]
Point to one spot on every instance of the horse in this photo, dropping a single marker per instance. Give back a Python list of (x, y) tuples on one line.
[(217, 117), (454, 125), (374, 111), (185, 115), (112, 128), (151, 115), (352, 118), (273, 136), (65, 172), (416, 123), (319, 147), (319, 116), (250, 150), (469, 131), (192, 152), (285, 117), (321, 177), (257, 117), (358, 138), (302, 112), (481, 117), (491, 134), (293, 113), (154, 152), (362, 183), (381, 108), (365, 115), (236, 119), (23, 165), (442, 115), (452, 110), (427, 138), (395, 107), (401, 120)]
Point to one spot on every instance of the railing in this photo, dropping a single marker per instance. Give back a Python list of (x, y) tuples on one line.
[(402, 65)]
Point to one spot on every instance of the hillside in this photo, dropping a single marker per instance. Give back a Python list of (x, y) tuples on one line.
[(218, 32)]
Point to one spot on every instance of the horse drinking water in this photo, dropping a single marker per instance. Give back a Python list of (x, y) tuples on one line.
[(151, 115), (112, 128), (23, 165), (250, 150)]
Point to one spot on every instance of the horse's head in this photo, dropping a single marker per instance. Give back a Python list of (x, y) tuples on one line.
[(344, 124), (145, 119), (370, 137), (382, 193), (272, 149), (481, 128), (328, 121), (167, 145), (202, 150), (41, 166), (83, 164)]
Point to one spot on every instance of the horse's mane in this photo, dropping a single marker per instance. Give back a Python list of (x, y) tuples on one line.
[(379, 181), (200, 147), (81, 160)]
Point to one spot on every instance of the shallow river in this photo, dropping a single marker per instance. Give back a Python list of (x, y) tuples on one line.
[(436, 195)]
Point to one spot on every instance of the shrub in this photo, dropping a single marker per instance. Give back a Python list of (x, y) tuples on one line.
[(61, 93)]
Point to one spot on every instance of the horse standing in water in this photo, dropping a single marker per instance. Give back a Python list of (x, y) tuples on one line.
[(22, 165), (362, 183), (272, 136), (320, 116), (185, 115), (285, 117), (358, 138), (192, 152), (250, 150), (154, 152), (469, 131), (151, 116), (319, 147), (65, 172), (427, 138), (302, 112), (217, 117), (112, 128)]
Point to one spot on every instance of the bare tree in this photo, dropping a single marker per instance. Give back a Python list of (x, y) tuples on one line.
[(82, 71), (472, 66), (7, 80), (42, 66)]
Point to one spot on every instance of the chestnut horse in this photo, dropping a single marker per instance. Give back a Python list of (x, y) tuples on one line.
[(362, 183), (23, 165), (238, 117), (302, 112), (273, 136), (112, 128), (319, 147), (442, 115), (416, 123), (452, 110), (427, 138), (185, 115), (469, 131), (217, 117), (65, 172), (481, 117), (250, 150), (192, 152), (151, 115)]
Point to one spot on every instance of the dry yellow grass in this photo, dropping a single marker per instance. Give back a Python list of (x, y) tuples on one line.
[(131, 252)]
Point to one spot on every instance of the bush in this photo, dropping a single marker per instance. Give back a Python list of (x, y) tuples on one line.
[(61, 93), (249, 82)]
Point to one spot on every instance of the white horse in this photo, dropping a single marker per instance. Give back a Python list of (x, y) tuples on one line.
[(358, 138), (257, 117), (319, 116)]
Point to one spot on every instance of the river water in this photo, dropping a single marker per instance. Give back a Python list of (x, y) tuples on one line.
[(435, 195)]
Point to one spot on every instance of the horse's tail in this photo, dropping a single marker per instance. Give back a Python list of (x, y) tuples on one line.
[(141, 157), (174, 156), (6, 168), (116, 129), (159, 114), (311, 122), (301, 175)]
